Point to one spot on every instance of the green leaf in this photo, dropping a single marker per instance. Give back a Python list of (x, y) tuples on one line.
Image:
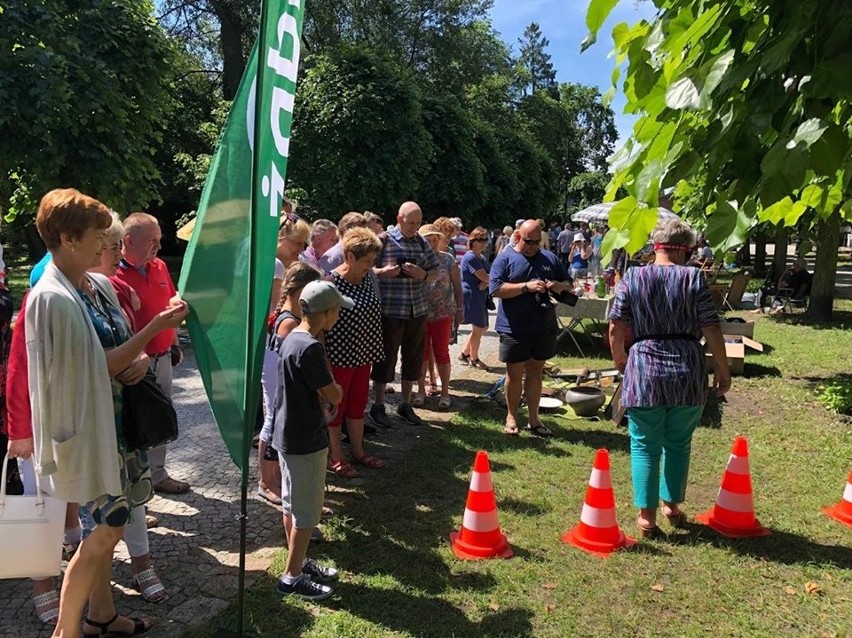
[(596, 15), (682, 94), (808, 132), (714, 76), (728, 226), (620, 213), (786, 164), (614, 238)]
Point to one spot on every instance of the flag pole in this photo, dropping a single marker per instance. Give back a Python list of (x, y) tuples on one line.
[(254, 340)]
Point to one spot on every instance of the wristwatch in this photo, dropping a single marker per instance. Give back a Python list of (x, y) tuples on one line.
[(525, 289)]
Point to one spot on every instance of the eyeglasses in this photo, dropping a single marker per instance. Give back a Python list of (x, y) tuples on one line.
[(289, 217), (531, 242)]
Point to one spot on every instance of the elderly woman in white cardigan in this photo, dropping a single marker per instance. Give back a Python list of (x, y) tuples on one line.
[(78, 341)]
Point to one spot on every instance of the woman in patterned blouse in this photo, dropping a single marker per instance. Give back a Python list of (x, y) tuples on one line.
[(668, 306)]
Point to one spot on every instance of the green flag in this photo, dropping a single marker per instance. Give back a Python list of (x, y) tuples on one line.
[(227, 270)]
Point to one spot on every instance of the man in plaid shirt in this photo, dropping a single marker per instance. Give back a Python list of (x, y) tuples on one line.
[(404, 265)]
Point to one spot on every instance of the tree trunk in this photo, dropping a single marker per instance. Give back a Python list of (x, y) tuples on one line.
[(744, 255), (760, 254), (779, 260), (825, 269), (231, 38)]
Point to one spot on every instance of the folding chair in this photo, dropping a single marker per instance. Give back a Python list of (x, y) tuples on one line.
[(736, 290), (788, 299)]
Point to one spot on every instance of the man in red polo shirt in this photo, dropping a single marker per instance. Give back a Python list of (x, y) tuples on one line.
[(150, 278)]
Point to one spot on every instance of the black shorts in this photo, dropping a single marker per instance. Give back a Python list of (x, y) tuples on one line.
[(540, 346)]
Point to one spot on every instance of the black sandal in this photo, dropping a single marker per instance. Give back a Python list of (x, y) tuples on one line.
[(540, 430), (139, 627)]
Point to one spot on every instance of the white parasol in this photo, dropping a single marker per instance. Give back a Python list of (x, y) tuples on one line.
[(599, 214)]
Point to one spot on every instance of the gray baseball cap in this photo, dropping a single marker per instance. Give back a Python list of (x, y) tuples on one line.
[(319, 296)]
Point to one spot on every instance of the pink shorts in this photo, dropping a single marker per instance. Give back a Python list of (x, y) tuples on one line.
[(438, 335), (356, 392)]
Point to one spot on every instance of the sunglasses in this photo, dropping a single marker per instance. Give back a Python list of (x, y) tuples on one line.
[(531, 242)]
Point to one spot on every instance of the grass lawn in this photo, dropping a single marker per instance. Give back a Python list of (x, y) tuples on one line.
[(400, 577)]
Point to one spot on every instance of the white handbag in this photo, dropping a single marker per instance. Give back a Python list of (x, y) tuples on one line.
[(31, 531)]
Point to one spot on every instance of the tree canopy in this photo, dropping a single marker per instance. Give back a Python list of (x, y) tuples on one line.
[(743, 106), (410, 99), (86, 94)]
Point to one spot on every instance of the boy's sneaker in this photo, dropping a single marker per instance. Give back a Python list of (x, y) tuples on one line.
[(379, 416), (407, 414), (317, 572), (305, 588)]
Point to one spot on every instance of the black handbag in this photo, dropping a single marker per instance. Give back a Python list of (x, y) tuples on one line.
[(489, 303), (148, 417)]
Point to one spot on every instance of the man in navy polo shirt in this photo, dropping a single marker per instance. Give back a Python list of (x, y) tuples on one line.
[(522, 276)]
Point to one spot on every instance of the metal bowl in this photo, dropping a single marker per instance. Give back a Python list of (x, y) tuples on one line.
[(585, 401)]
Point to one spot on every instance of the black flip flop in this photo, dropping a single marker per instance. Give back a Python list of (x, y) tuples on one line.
[(540, 430)]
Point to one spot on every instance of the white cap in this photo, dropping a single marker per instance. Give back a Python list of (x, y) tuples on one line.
[(579, 237), (319, 296)]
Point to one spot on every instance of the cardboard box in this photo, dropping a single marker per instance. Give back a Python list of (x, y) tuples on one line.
[(745, 329), (735, 348)]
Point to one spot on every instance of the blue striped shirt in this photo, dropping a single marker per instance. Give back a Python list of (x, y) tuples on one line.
[(664, 300)]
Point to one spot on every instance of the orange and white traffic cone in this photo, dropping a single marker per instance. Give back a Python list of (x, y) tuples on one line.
[(733, 513), (480, 535), (843, 510), (598, 532)]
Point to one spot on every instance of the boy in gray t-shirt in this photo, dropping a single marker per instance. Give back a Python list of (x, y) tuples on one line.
[(305, 383)]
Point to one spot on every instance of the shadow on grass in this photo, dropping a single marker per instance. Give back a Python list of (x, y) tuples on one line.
[(420, 616), (473, 386), (781, 547), (614, 439), (523, 508), (838, 318), (755, 370), (713, 412)]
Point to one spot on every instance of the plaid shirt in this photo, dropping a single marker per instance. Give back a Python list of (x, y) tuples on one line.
[(404, 297)]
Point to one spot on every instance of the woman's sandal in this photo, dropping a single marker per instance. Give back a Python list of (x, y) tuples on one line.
[(139, 627), (47, 607), (539, 430), (369, 461), (342, 468), (651, 533), (476, 363), (464, 358), (677, 518), (149, 585), (511, 430)]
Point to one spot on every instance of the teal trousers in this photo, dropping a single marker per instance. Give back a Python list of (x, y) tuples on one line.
[(661, 433)]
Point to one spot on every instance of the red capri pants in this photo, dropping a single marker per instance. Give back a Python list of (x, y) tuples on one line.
[(356, 392), (438, 335)]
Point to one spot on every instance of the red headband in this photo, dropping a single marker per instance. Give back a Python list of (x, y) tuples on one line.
[(682, 247)]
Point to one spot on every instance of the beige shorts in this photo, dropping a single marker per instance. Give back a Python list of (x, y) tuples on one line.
[(303, 487)]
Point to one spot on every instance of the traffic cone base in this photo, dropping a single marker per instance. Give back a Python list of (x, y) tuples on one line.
[(578, 536), (499, 548), (480, 535), (729, 530), (842, 511), (733, 513), (598, 532)]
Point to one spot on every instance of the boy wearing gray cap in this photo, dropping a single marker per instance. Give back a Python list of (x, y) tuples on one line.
[(305, 383)]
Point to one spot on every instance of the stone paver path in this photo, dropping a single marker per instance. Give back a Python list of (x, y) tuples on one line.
[(196, 545)]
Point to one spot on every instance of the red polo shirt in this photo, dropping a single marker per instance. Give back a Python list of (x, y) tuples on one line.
[(153, 284)]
